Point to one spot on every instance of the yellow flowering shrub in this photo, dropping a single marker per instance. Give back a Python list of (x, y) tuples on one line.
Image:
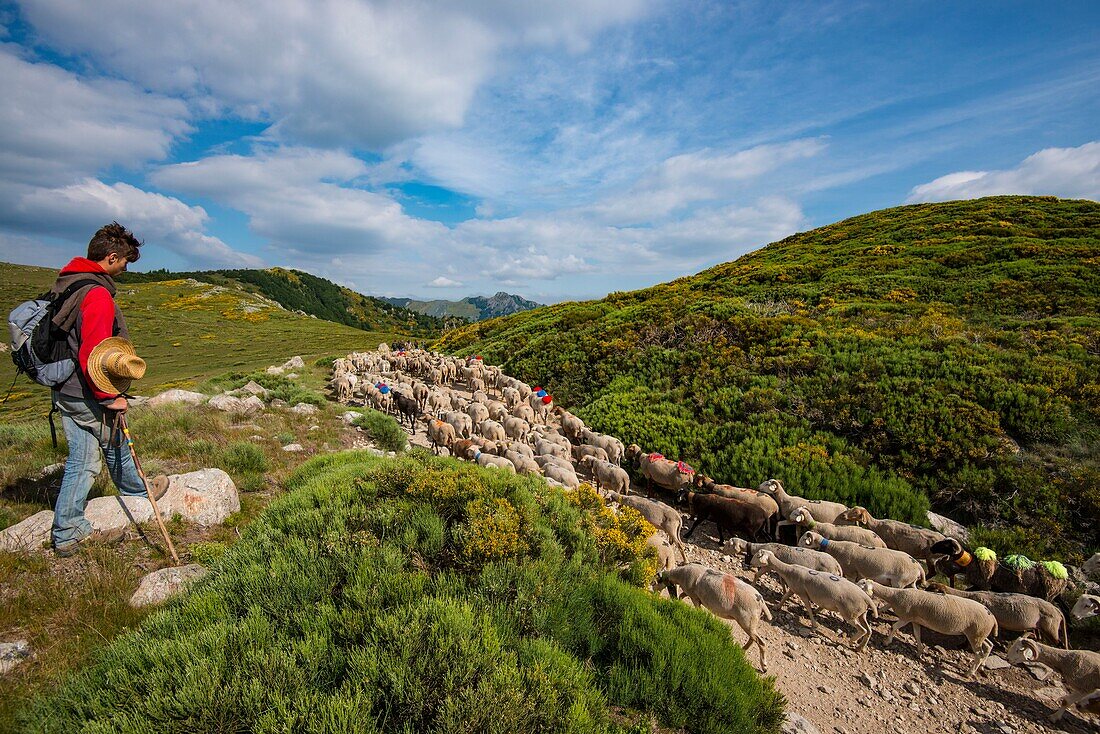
[(494, 532)]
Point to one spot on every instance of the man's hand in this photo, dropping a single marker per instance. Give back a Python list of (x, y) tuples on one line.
[(118, 404)]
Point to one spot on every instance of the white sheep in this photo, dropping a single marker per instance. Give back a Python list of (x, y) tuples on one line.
[(885, 566), (851, 533), (1017, 612), (566, 477), (828, 591), (1080, 671), (792, 554), (948, 615), (607, 475), (1087, 606), (658, 514), (489, 461), (724, 595)]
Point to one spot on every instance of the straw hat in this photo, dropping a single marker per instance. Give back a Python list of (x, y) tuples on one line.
[(113, 365)]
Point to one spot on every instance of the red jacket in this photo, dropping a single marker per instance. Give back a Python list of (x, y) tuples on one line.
[(97, 318)]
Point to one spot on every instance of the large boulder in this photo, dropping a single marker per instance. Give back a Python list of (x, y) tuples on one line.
[(250, 388), (28, 535), (204, 497), (274, 370), (169, 397), (159, 585), (294, 363), (948, 527), (239, 406), (110, 513)]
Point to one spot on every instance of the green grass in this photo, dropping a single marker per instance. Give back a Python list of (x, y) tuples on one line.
[(944, 354), (187, 334), (384, 429), (416, 595)]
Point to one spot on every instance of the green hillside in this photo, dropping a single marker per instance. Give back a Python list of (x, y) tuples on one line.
[(187, 332), (299, 291), (471, 308), (940, 353)]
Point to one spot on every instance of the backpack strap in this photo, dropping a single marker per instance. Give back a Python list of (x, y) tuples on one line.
[(58, 300)]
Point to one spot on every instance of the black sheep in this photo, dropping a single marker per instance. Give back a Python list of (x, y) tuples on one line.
[(727, 513)]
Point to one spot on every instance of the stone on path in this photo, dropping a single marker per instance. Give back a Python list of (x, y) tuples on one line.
[(996, 662), (205, 497), (797, 724), (13, 653), (169, 397), (159, 585), (293, 447)]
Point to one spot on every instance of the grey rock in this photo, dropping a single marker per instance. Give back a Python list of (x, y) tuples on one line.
[(350, 417), (912, 687), (171, 397), (1051, 693), (867, 679), (251, 388), (948, 527), (797, 724), (294, 363), (305, 409), (273, 370), (996, 662), (826, 690), (234, 404), (292, 376), (111, 513), (1038, 671), (205, 497), (293, 447), (277, 403), (29, 534), (159, 585), (13, 653), (52, 470)]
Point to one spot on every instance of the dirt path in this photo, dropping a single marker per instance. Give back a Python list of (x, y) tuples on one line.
[(881, 690)]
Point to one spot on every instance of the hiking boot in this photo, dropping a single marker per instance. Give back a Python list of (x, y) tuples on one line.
[(68, 549), (111, 535), (158, 485)]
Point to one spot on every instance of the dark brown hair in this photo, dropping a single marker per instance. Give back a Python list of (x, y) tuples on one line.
[(114, 238)]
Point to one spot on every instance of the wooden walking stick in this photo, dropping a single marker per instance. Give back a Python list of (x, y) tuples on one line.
[(152, 499)]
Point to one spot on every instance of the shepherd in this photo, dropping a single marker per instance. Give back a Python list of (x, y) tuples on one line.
[(93, 398)]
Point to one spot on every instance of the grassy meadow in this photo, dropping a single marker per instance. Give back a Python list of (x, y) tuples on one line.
[(187, 332)]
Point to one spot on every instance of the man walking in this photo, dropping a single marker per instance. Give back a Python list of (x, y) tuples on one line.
[(90, 400)]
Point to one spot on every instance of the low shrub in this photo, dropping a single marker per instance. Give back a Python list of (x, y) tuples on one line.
[(417, 594), (383, 429)]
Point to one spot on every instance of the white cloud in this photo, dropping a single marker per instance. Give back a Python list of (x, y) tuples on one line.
[(1065, 172), (303, 200), (444, 282), (74, 212), (56, 128), (326, 72), (699, 176)]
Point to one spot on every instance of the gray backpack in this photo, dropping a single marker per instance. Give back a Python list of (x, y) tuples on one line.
[(38, 348)]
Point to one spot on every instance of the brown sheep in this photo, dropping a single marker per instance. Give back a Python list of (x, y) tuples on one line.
[(702, 483), (656, 469), (726, 513)]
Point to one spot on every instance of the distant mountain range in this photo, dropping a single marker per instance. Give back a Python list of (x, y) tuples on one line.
[(472, 308), (298, 291)]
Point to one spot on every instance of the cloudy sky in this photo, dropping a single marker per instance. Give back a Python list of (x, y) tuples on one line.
[(558, 150)]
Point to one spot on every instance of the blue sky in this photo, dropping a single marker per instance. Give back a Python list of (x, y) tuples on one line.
[(555, 150)]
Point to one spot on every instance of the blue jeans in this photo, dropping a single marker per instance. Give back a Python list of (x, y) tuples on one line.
[(88, 432)]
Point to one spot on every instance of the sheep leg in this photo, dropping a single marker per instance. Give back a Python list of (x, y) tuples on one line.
[(894, 630), (981, 652), (698, 520), (810, 610), (864, 626), (916, 638), (786, 593)]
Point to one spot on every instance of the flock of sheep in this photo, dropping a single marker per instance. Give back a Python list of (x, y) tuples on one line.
[(844, 560)]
